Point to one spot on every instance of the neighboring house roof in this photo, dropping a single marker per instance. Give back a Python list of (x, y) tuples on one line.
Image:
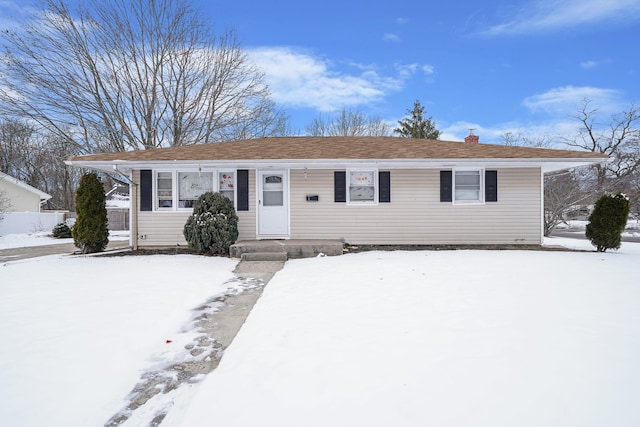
[(303, 151), (15, 181), (118, 198)]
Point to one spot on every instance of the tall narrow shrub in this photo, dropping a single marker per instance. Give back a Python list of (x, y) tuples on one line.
[(90, 231), (213, 226), (607, 222)]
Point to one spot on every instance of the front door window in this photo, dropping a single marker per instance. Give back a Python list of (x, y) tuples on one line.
[(272, 190)]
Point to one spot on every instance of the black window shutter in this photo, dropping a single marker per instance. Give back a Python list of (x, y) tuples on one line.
[(491, 186), (446, 181), (339, 186), (384, 187), (146, 190), (243, 189)]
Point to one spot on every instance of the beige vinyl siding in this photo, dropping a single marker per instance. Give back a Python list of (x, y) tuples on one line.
[(164, 228), (416, 215)]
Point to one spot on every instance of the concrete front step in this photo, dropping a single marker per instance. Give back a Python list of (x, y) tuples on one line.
[(292, 248), (264, 256)]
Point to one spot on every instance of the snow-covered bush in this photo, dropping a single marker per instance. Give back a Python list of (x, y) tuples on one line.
[(61, 231), (90, 231), (213, 226), (607, 222)]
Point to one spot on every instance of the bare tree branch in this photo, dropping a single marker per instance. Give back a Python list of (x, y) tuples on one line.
[(348, 123), (118, 75), (619, 139)]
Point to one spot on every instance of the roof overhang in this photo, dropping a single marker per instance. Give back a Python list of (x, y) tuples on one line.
[(545, 164)]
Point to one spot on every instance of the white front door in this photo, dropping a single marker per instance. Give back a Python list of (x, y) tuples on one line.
[(273, 204)]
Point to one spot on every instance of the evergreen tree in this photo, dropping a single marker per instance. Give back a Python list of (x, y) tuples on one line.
[(607, 222), (90, 232), (213, 226), (416, 126)]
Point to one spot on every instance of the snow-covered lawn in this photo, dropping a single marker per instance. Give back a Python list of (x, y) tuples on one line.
[(43, 238), (76, 333), (439, 338), (450, 338)]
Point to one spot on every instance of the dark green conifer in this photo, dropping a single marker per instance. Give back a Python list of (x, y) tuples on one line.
[(90, 231), (607, 222), (416, 126)]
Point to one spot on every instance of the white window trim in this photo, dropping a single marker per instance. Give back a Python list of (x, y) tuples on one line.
[(156, 207), (235, 183), (481, 201), (174, 187), (376, 189)]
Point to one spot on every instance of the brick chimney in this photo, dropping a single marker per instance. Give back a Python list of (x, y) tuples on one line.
[(471, 138)]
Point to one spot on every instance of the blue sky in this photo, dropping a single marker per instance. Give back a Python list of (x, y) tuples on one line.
[(519, 66)]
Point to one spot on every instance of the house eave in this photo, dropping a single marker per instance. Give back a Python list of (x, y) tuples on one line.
[(546, 165)]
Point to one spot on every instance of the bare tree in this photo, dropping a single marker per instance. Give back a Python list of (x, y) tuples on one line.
[(115, 75), (521, 139), (263, 120), (57, 178), (348, 123), (563, 192), (619, 138), (18, 155), (37, 158)]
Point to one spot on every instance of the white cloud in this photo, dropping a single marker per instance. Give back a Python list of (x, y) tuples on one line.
[(559, 106), (548, 15), (588, 64), (552, 131), (391, 38), (406, 71), (459, 130), (302, 80), (401, 21), (428, 69), (568, 99)]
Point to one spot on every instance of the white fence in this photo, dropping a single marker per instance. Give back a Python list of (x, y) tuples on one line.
[(29, 222)]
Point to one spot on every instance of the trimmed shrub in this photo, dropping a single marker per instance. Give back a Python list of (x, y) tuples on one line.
[(90, 231), (607, 222), (61, 231), (213, 226)]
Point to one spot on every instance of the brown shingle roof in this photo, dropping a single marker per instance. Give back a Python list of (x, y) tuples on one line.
[(350, 148)]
